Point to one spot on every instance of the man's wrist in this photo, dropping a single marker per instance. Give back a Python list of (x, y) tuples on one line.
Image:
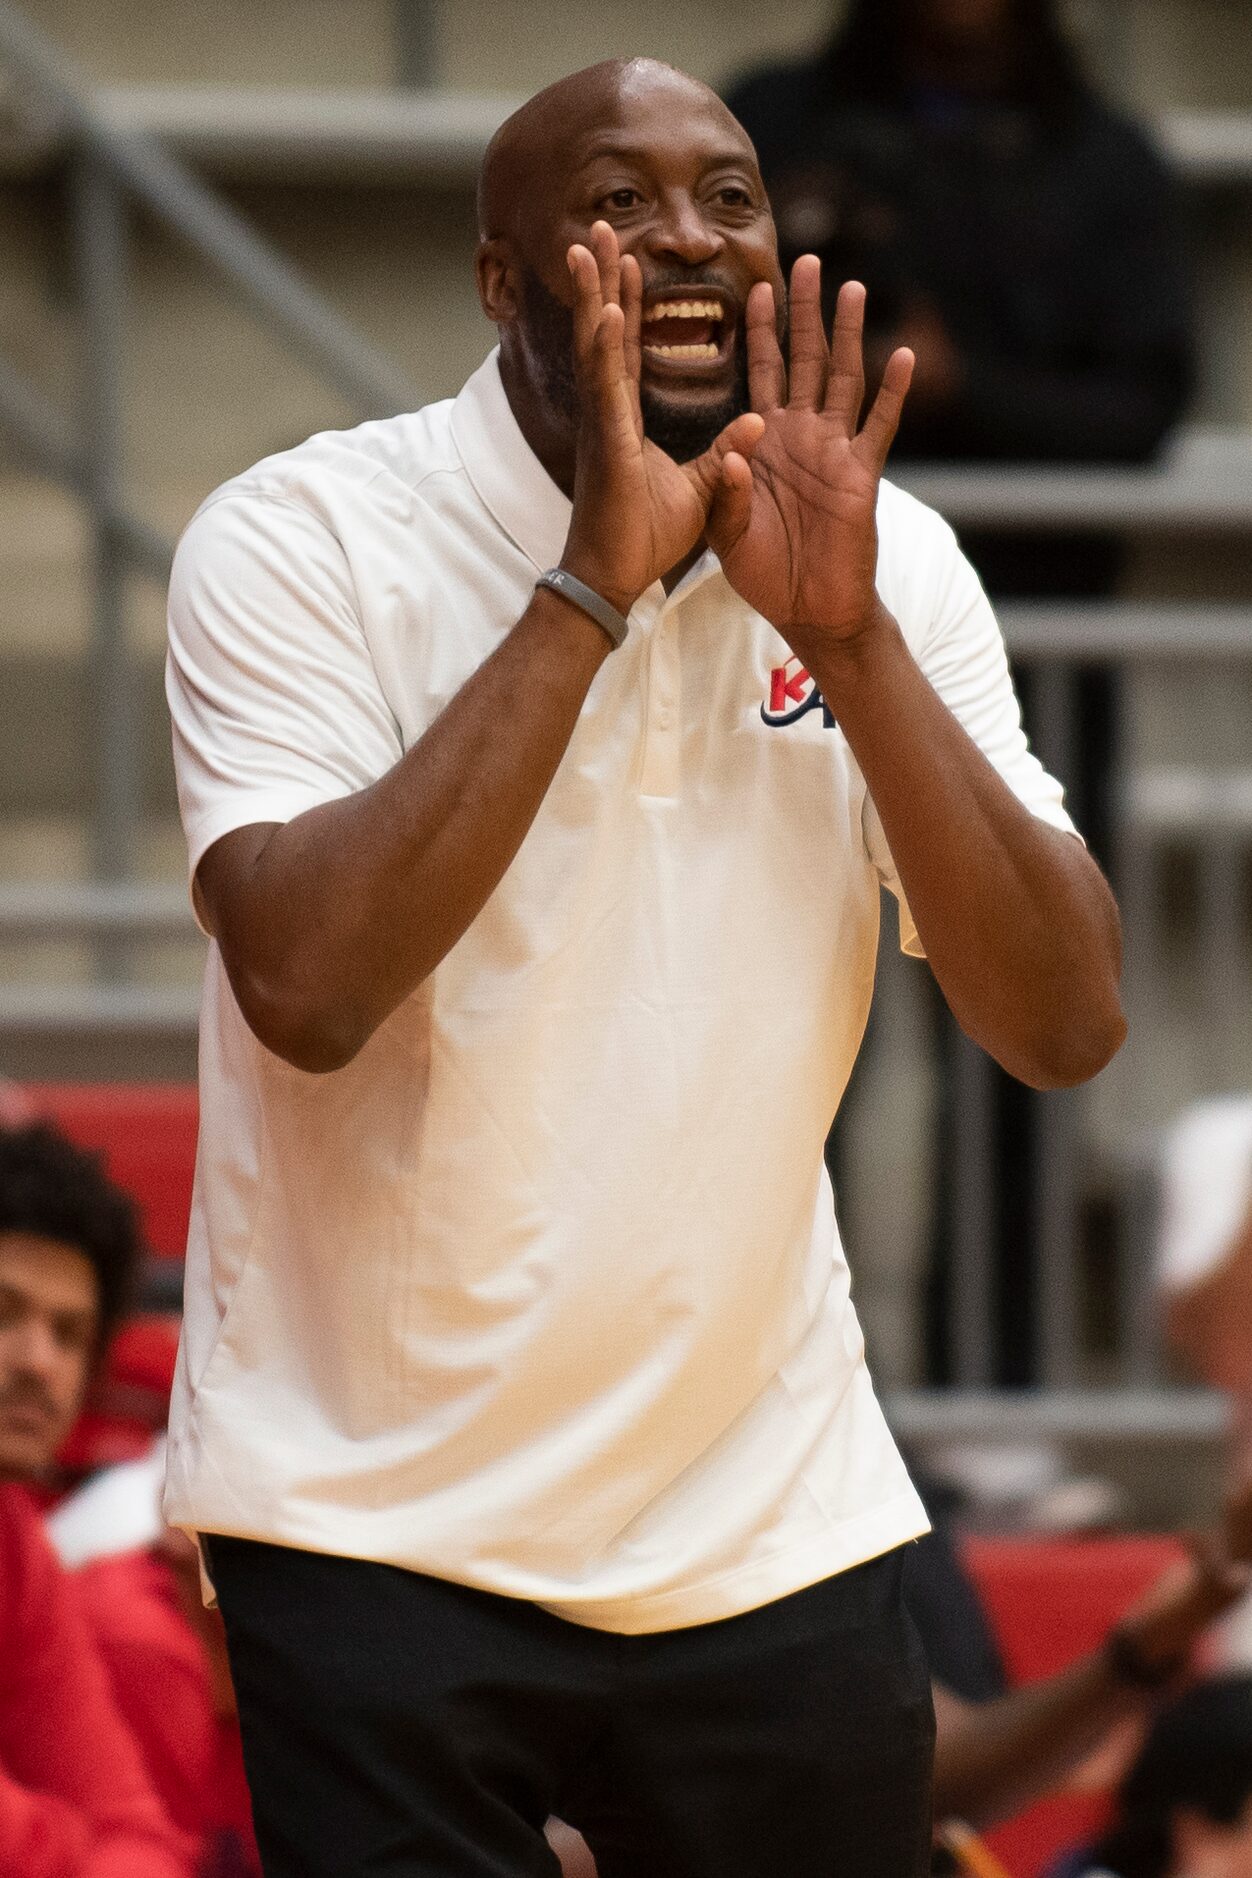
[(843, 660), (584, 569), (614, 624), (1137, 1664)]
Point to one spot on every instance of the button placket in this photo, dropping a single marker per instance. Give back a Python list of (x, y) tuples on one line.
[(663, 709)]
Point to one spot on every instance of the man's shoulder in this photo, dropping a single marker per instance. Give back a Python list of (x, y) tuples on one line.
[(908, 528), (922, 570), (402, 451)]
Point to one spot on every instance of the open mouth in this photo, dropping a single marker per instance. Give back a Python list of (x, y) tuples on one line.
[(689, 329)]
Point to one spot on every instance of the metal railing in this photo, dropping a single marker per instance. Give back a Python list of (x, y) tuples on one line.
[(109, 171), (1208, 809)]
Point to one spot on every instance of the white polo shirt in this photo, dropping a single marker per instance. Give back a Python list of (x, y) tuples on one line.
[(543, 1291)]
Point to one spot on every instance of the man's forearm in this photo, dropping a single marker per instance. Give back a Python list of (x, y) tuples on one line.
[(339, 914), (1018, 924), (994, 1758)]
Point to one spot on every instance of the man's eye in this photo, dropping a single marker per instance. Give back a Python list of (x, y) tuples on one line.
[(623, 198), (734, 196)]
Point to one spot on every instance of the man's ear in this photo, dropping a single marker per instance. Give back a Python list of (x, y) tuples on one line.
[(495, 266)]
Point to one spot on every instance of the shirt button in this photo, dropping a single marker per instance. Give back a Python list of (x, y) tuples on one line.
[(665, 718)]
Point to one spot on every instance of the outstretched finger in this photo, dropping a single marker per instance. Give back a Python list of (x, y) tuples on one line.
[(632, 311), (809, 353), (739, 439), (599, 354), (588, 300), (880, 427), (845, 385), (767, 374), (609, 261)]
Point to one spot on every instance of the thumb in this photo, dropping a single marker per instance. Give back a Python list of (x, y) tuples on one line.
[(732, 504), (740, 438)]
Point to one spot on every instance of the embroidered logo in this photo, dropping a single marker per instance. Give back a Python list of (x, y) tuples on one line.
[(791, 693)]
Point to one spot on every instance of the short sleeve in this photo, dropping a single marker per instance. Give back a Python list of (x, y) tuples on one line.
[(960, 649), (275, 702)]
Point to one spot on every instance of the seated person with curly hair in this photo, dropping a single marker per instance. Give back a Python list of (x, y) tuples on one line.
[(75, 1800)]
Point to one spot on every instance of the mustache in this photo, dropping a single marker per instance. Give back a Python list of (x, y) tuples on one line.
[(690, 281), (26, 1393)]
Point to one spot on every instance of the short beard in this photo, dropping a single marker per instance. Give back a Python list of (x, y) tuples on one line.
[(547, 326)]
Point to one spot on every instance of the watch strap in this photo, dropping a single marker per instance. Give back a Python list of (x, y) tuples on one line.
[(579, 594)]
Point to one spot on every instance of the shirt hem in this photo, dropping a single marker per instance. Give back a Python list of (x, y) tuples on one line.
[(730, 1594), (727, 1594)]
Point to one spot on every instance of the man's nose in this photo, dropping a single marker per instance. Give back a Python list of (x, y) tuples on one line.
[(681, 232), (33, 1350)]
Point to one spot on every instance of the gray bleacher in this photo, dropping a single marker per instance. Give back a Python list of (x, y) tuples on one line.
[(338, 143)]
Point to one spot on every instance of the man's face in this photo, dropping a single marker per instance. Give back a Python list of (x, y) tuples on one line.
[(676, 179), (49, 1324)]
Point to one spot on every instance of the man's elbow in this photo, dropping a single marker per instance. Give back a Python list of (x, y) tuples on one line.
[(313, 1035), (1073, 1052)]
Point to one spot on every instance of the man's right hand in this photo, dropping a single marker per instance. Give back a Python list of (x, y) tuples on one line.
[(637, 513)]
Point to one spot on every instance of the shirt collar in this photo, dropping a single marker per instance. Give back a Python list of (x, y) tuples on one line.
[(507, 475), (513, 484)]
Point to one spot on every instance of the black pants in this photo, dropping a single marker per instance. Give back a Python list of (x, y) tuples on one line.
[(396, 1724)]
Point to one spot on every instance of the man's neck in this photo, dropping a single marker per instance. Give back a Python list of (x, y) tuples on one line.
[(553, 441), (551, 437)]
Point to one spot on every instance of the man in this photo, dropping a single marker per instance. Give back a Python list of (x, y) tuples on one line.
[(520, 1397), (75, 1801)]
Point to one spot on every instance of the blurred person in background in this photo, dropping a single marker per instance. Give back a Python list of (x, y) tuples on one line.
[(1185, 1808), (69, 1255), (75, 1798), (998, 1754), (1020, 236), (1012, 228), (1204, 1281), (68, 1261)]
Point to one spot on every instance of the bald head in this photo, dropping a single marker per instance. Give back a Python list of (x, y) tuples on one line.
[(633, 146), (534, 149)]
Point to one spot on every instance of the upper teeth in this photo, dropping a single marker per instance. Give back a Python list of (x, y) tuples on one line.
[(685, 310)]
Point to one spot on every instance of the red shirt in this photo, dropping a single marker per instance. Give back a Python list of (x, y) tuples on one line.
[(74, 1799), (162, 1684)]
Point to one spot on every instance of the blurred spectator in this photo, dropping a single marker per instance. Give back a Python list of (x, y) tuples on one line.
[(69, 1249), (1204, 1280), (1185, 1808), (75, 1801), (1010, 227), (68, 1256), (1020, 235), (996, 1750)]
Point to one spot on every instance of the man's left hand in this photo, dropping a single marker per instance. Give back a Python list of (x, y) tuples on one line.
[(799, 541)]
